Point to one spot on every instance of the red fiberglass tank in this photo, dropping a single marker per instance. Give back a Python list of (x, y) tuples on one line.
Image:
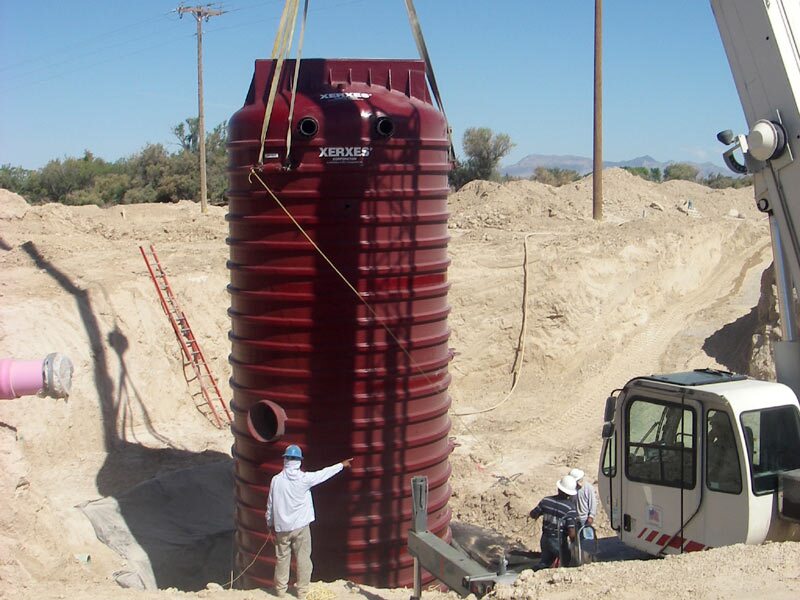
[(313, 364)]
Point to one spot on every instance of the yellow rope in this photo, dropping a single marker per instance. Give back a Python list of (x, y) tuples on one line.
[(252, 562), (414, 364), (520, 352), (521, 348), (340, 274)]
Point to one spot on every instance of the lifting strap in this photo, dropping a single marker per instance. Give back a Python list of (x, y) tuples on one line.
[(294, 81), (283, 43), (280, 49), (416, 31)]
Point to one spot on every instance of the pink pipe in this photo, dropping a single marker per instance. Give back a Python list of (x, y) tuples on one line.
[(51, 376), (20, 378)]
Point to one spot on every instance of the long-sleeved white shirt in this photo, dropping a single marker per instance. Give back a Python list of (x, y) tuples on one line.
[(586, 502), (289, 505)]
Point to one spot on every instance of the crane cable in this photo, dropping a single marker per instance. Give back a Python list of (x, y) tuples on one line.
[(422, 48)]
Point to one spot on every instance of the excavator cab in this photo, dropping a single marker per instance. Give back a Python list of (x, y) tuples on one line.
[(696, 460)]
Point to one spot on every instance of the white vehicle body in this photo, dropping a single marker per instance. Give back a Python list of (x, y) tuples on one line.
[(701, 459), (668, 489)]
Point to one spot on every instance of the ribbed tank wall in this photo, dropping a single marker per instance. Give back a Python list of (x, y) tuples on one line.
[(311, 363)]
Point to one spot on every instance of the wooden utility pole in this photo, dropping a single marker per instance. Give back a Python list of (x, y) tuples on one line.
[(201, 13), (597, 168)]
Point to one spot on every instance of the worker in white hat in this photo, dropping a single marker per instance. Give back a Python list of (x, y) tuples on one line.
[(558, 523), (290, 511), (585, 499)]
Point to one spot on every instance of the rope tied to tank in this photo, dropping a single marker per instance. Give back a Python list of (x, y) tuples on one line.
[(339, 273), (517, 366)]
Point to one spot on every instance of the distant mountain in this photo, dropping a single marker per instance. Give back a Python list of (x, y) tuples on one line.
[(525, 167)]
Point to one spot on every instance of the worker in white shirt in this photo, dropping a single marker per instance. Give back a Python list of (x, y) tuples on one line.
[(585, 499), (290, 511)]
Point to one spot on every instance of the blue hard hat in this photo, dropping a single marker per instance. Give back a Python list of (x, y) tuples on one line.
[(293, 451)]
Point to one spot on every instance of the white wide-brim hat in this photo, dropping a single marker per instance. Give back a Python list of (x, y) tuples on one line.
[(568, 485), (577, 474)]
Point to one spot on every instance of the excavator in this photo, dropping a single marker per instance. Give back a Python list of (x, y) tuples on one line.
[(710, 458), (707, 458)]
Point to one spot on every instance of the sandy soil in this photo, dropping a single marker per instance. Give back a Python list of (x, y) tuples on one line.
[(658, 286)]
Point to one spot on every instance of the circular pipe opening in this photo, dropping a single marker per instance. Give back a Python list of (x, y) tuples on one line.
[(308, 126), (266, 421), (384, 127)]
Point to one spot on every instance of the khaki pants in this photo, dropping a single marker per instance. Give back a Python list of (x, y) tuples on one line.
[(299, 542)]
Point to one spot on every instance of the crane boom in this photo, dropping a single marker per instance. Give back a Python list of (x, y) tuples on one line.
[(759, 40)]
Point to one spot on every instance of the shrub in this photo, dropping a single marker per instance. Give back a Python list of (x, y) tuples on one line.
[(653, 174), (555, 176), (682, 171)]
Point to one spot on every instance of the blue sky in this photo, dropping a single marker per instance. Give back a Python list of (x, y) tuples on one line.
[(112, 76)]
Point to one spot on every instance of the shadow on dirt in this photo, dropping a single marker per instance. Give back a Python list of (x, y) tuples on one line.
[(731, 345), (167, 511)]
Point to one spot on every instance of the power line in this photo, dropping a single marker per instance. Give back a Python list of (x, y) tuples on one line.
[(256, 5), (85, 41), (95, 64), (275, 18), (86, 54)]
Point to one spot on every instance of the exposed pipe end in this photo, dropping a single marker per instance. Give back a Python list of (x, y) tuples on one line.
[(57, 371), (308, 127), (384, 127), (266, 421), (49, 377)]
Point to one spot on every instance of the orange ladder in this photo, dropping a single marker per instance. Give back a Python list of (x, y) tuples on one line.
[(209, 391)]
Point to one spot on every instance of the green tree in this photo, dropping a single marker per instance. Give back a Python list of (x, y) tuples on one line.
[(151, 175), (186, 133), (18, 180), (719, 181), (483, 149), (105, 190), (555, 176), (653, 174), (683, 171), (58, 178), (217, 163)]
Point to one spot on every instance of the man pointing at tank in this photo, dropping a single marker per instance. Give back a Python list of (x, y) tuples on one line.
[(290, 511)]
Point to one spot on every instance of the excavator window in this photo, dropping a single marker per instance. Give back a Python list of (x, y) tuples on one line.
[(660, 446), (723, 468), (772, 437)]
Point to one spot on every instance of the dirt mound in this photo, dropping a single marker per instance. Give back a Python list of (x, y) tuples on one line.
[(12, 206), (643, 291), (519, 205)]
